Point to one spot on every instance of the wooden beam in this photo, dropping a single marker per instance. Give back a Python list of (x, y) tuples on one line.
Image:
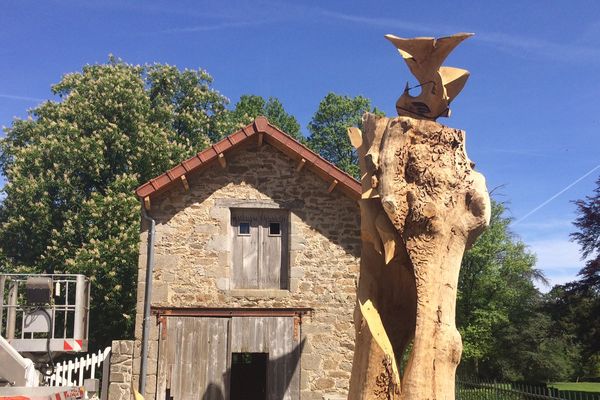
[(185, 183), (222, 160), (332, 186), (147, 203), (261, 137), (229, 312), (300, 165)]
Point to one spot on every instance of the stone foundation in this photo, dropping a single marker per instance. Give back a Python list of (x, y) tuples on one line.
[(121, 370)]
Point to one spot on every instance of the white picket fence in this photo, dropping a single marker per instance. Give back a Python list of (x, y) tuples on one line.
[(73, 372)]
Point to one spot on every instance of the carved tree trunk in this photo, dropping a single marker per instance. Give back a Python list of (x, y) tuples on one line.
[(422, 205)]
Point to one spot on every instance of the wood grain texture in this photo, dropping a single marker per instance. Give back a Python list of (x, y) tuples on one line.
[(195, 356), (260, 259), (193, 359), (422, 205), (162, 370)]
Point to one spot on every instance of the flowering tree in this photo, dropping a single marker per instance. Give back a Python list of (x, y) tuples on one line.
[(71, 169)]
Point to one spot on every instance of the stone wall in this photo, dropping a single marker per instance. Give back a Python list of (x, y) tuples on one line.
[(121, 370), (193, 257)]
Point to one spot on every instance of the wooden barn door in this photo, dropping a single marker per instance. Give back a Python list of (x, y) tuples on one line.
[(202, 358), (274, 337), (193, 359)]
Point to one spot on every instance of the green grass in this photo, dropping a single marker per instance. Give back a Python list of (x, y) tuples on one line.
[(580, 386)]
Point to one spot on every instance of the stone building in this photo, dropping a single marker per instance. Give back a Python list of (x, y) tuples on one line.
[(256, 255)]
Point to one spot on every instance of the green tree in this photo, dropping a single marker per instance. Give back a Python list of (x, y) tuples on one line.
[(484, 292), (505, 334), (328, 136), (588, 237), (575, 306), (250, 106), (184, 102), (71, 169), (575, 311), (527, 349)]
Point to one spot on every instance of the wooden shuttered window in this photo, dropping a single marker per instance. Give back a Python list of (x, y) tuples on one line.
[(260, 248)]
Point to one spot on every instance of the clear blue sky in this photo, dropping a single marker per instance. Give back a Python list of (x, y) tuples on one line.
[(530, 108)]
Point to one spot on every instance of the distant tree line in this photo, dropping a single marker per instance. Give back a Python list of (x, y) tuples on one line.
[(69, 206), (574, 307), (513, 332)]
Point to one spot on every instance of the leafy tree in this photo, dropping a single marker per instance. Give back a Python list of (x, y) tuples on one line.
[(526, 348), (328, 136), (494, 262), (575, 306), (184, 102), (72, 167), (588, 237), (505, 334), (251, 106), (575, 311)]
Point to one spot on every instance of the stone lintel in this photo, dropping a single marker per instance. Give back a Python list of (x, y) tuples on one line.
[(261, 293)]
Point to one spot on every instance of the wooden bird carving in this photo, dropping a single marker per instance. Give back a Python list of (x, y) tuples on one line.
[(439, 85)]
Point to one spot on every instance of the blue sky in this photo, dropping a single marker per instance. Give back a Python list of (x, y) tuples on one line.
[(530, 108)]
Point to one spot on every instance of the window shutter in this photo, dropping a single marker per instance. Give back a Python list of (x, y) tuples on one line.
[(260, 256)]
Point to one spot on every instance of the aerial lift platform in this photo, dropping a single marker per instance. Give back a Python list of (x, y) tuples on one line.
[(42, 316)]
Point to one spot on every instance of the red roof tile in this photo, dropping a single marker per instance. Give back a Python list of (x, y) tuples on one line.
[(273, 136)]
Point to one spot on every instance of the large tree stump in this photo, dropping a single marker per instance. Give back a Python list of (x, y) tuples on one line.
[(422, 205)]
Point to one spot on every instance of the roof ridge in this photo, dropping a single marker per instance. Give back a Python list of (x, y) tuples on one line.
[(260, 125), (307, 148)]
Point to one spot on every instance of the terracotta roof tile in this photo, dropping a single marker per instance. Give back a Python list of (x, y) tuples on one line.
[(178, 170), (261, 124), (207, 154), (274, 136), (237, 137), (248, 130), (192, 163)]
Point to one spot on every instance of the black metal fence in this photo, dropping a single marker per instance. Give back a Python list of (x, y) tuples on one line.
[(485, 390)]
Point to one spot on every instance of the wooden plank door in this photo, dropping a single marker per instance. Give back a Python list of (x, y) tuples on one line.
[(193, 359), (275, 336), (284, 360)]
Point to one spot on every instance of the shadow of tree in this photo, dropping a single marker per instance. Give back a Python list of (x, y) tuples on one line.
[(280, 376), (213, 392)]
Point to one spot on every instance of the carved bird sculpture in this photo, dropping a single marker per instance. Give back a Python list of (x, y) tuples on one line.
[(439, 85)]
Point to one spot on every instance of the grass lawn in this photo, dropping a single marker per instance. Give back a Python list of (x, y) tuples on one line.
[(580, 386)]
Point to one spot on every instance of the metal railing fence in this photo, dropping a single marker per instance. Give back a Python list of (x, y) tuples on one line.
[(475, 389)]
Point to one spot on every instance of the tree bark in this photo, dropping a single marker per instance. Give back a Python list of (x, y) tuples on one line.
[(422, 205)]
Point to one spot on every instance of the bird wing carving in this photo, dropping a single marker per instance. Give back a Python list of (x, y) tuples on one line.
[(440, 85), (427, 52), (453, 79)]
